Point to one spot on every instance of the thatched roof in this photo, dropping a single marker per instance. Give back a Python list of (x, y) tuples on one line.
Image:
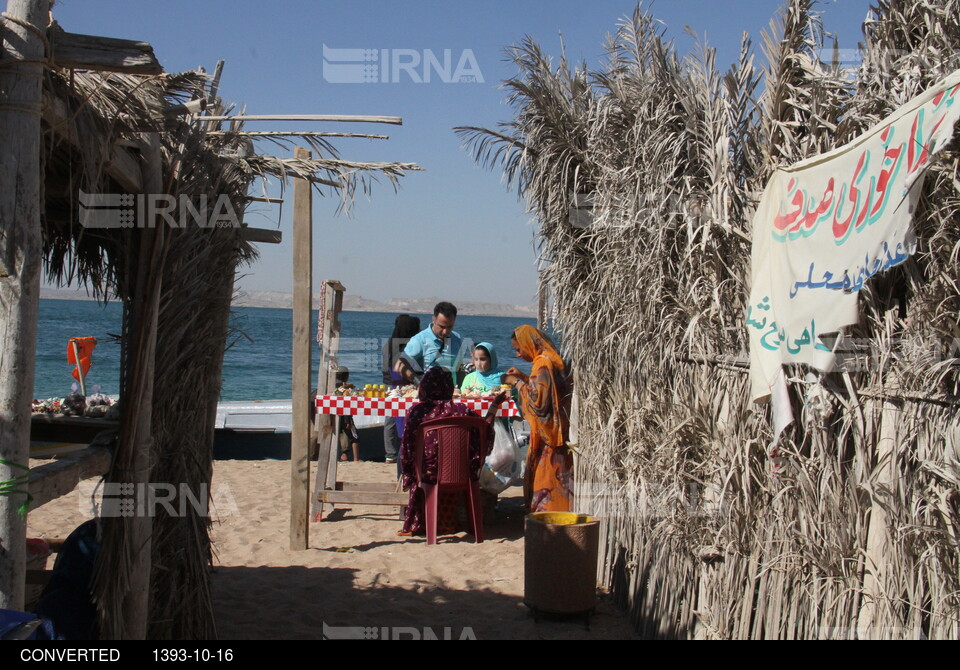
[(93, 124)]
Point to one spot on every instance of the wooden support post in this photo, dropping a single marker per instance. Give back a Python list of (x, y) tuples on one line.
[(876, 601), (327, 430), (302, 297), (23, 26), (543, 298)]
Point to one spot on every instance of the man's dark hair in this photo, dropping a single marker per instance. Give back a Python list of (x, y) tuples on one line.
[(448, 309)]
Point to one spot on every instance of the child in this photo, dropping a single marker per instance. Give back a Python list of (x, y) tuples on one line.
[(486, 375), (502, 466)]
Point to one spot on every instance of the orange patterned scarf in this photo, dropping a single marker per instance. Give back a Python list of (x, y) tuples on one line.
[(546, 402)]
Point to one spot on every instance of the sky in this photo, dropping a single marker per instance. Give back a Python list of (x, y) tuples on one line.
[(453, 231)]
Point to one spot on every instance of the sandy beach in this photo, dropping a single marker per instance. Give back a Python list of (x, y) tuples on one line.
[(358, 579)]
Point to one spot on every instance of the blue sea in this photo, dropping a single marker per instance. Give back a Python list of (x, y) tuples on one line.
[(257, 365)]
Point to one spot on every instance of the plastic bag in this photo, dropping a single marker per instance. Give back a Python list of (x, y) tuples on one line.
[(504, 453), (504, 465)]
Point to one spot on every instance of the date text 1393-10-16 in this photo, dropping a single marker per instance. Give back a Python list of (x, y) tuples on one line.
[(199, 654)]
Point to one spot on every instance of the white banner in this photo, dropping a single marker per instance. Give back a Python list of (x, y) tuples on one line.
[(824, 226)]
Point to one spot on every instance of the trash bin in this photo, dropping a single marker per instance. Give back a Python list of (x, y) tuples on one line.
[(560, 563)]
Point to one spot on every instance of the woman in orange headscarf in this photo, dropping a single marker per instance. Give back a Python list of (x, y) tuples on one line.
[(545, 398)]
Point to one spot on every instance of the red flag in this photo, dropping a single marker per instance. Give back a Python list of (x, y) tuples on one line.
[(85, 347)]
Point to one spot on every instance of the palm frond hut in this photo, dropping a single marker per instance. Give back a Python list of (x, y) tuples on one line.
[(136, 131), (856, 534)]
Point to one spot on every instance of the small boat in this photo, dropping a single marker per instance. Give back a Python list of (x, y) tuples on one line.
[(268, 416)]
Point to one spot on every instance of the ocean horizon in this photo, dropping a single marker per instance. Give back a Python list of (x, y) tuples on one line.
[(258, 361)]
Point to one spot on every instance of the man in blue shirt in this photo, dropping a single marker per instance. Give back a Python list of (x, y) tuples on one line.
[(439, 344)]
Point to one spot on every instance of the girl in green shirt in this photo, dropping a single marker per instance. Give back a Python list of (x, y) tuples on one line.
[(487, 374)]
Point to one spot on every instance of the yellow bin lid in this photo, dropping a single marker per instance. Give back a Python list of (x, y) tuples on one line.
[(561, 518)]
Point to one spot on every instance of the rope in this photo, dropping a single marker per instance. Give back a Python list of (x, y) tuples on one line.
[(42, 34), (34, 110), (10, 487), (25, 61)]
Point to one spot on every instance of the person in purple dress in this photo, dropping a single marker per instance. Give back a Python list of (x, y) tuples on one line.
[(436, 402)]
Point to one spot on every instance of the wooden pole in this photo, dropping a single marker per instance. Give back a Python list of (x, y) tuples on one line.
[(542, 299), (21, 107), (875, 608), (215, 82), (302, 307), (327, 427), (339, 118), (297, 133), (76, 357)]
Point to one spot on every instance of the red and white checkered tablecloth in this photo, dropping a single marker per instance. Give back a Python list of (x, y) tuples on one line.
[(347, 405)]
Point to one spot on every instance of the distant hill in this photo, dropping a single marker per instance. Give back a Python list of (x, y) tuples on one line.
[(355, 303), (65, 294)]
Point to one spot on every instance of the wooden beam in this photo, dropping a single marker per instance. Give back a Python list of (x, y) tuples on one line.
[(123, 167), (264, 235), (314, 180), (53, 480), (256, 198), (212, 94), (104, 54), (302, 340), (189, 107), (379, 487), (364, 497), (326, 182), (215, 82), (337, 118), (125, 170), (295, 133)]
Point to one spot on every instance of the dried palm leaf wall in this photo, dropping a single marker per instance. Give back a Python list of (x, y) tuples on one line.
[(196, 266), (857, 531), (192, 331)]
